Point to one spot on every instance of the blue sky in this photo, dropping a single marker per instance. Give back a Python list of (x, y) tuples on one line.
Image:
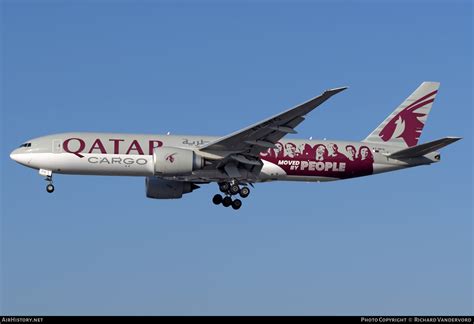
[(396, 243)]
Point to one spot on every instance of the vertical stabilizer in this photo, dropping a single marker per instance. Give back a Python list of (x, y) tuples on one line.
[(404, 126)]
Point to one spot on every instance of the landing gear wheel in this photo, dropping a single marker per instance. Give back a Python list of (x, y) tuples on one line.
[(234, 189), (236, 204), (224, 187), (217, 199), (227, 201), (244, 192), (50, 188)]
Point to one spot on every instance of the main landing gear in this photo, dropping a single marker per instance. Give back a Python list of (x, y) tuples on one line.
[(231, 189)]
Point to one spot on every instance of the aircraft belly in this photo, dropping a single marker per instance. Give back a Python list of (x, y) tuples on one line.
[(385, 167)]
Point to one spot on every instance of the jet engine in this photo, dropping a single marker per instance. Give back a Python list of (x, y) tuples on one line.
[(171, 161), (167, 189)]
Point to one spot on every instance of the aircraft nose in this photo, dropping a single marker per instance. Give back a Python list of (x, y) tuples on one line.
[(20, 157), (14, 155)]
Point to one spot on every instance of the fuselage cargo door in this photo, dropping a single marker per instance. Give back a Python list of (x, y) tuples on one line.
[(57, 146)]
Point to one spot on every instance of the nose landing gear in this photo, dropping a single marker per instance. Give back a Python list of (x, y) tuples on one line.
[(49, 179), (50, 188), (231, 189)]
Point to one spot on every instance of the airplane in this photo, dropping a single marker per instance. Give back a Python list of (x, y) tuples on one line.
[(174, 165)]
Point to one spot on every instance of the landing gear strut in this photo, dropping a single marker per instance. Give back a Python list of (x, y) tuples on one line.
[(231, 189)]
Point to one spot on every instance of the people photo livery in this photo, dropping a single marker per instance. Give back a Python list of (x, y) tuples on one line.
[(327, 160)]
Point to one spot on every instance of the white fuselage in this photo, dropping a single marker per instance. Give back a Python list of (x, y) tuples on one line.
[(132, 155)]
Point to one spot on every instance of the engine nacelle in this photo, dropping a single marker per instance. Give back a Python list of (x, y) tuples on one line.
[(167, 189), (170, 161)]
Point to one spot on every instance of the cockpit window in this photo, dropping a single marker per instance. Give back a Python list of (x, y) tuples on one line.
[(25, 145)]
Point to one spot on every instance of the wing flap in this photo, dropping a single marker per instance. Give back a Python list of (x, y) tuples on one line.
[(283, 129)]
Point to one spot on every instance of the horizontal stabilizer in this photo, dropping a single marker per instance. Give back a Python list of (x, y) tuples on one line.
[(423, 149)]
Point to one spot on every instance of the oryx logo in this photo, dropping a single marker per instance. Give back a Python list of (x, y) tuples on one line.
[(407, 124), (170, 157)]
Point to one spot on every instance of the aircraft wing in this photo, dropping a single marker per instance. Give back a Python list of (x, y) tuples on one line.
[(252, 140)]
